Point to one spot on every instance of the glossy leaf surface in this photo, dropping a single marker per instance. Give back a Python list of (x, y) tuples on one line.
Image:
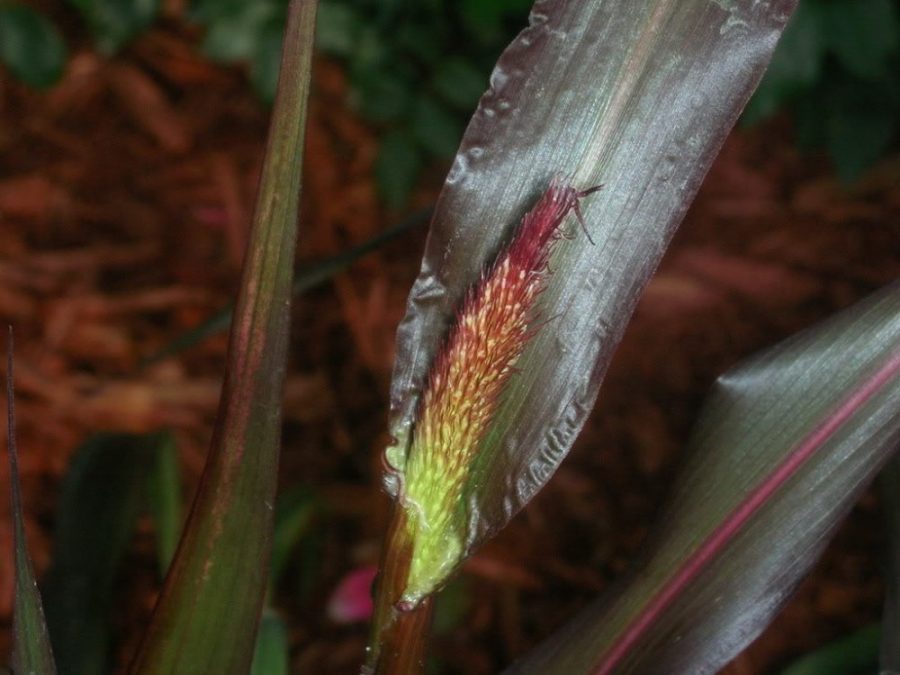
[(31, 651), (207, 615), (636, 95), (784, 445)]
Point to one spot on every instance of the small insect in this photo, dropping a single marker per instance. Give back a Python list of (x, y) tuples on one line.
[(464, 386)]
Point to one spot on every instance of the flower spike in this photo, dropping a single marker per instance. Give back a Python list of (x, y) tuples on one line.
[(464, 386)]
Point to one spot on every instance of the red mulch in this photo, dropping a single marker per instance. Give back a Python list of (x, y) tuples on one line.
[(125, 194)]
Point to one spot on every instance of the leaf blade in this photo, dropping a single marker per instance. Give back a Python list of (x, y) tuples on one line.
[(101, 498), (200, 624), (647, 120), (164, 500), (784, 444), (32, 652), (31, 46)]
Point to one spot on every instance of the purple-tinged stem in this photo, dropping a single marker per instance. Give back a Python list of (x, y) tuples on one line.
[(399, 638)]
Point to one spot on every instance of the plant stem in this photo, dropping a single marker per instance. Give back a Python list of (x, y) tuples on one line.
[(398, 641)]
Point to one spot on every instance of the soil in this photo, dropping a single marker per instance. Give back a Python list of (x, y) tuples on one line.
[(125, 197)]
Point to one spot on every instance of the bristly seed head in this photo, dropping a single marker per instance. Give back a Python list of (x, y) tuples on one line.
[(464, 386)]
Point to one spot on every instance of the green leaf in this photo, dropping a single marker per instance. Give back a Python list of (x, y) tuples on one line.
[(855, 654), (863, 34), (370, 52), (239, 36), (485, 18), (424, 43), (637, 96), (492, 12), (796, 64), (860, 124), (164, 497), (453, 606), (267, 61), (272, 646), (208, 11), (382, 97), (293, 517), (435, 128), (338, 28), (30, 46), (459, 83), (102, 494), (31, 652), (397, 168), (785, 444), (207, 615), (115, 22), (810, 122)]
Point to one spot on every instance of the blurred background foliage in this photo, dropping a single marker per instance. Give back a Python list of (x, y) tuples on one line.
[(417, 69)]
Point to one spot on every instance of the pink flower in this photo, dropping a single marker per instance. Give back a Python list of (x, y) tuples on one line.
[(351, 600)]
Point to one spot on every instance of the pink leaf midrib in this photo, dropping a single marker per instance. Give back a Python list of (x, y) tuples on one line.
[(734, 523)]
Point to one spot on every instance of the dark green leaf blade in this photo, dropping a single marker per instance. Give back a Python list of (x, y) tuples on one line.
[(164, 500), (115, 22), (854, 654), (207, 615), (863, 35), (635, 95), (30, 46), (294, 515), (796, 63), (235, 36), (272, 647), (101, 498), (860, 123), (267, 60), (397, 167), (785, 444), (32, 654)]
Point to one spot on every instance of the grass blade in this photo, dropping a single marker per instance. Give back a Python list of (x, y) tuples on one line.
[(272, 647), (32, 654), (294, 516), (102, 496), (785, 444), (207, 615), (164, 499), (855, 654)]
